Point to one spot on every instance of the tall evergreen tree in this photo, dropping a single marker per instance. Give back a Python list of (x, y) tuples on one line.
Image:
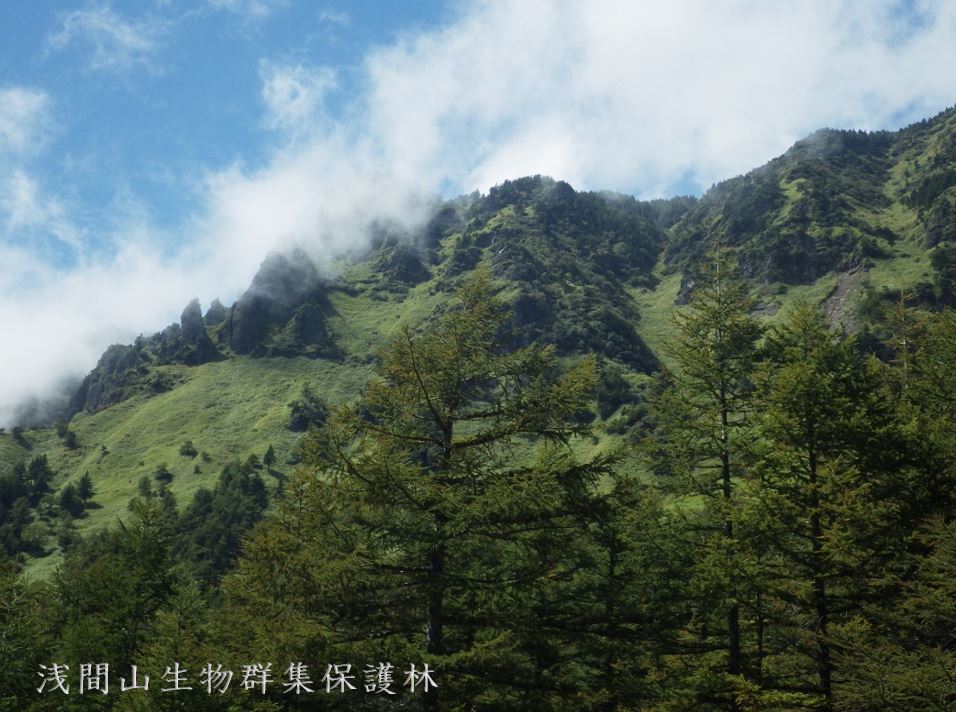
[(827, 466), (25, 638), (425, 527), (85, 489), (269, 459), (701, 443), (898, 653), (903, 656), (39, 475), (108, 589)]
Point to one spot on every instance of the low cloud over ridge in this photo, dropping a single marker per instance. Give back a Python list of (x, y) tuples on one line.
[(636, 97)]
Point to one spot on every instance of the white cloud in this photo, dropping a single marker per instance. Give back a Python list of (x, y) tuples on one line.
[(27, 211), (607, 94), (114, 42), (24, 119), (293, 94), (250, 9), (58, 321), (336, 17), (635, 96)]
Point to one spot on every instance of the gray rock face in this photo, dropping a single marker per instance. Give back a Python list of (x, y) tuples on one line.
[(283, 311), (123, 371), (191, 321), (195, 347), (216, 314), (116, 375), (281, 284)]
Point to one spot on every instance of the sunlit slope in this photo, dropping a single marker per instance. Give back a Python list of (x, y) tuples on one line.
[(229, 410), (846, 220)]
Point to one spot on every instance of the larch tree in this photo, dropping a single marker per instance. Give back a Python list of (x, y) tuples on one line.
[(701, 444), (825, 473), (435, 520)]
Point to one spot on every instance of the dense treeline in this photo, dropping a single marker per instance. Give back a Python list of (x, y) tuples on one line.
[(789, 544)]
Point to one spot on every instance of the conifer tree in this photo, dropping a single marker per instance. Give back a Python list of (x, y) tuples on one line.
[(108, 589), (425, 528), (181, 635), (897, 653), (701, 443), (69, 501), (269, 459), (903, 656), (827, 438), (85, 489), (926, 409), (25, 637)]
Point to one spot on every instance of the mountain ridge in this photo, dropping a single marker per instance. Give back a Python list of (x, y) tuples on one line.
[(844, 219), (836, 201)]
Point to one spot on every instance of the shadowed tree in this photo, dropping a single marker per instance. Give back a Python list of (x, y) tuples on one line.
[(424, 527), (828, 471), (702, 441)]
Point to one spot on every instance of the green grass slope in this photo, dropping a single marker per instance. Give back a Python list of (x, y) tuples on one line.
[(845, 219), (228, 409)]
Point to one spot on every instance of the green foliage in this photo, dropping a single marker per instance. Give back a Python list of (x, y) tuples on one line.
[(85, 489), (797, 217), (788, 546), (700, 448), (307, 411), (68, 436), (20, 438), (181, 632), (13, 530), (269, 459), (108, 589), (70, 502), (944, 262), (613, 389), (38, 478), (902, 657), (413, 532), (26, 640), (163, 474), (826, 425), (570, 257), (212, 526)]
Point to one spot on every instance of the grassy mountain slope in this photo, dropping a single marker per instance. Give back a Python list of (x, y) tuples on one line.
[(874, 209), (844, 219)]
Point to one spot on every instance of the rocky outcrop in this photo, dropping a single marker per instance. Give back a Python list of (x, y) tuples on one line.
[(117, 375), (124, 370), (186, 342), (402, 263), (283, 313), (216, 314), (195, 346)]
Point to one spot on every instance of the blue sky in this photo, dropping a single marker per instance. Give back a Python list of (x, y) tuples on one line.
[(143, 97), (154, 151)]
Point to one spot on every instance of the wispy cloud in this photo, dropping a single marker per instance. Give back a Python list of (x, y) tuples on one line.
[(114, 43), (26, 212), (639, 97), (336, 17), (24, 119), (249, 9), (293, 94), (29, 213)]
